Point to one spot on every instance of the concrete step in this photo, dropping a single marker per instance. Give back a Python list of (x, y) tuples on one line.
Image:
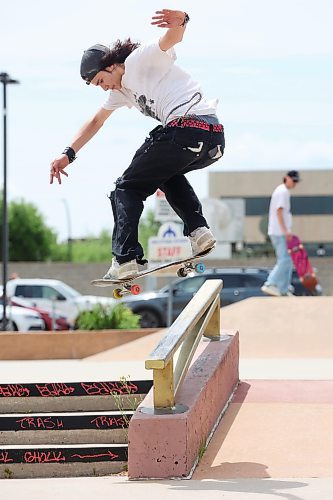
[(28, 461), (72, 396), (65, 428)]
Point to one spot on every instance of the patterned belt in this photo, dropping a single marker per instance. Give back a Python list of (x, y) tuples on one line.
[(195, 124)]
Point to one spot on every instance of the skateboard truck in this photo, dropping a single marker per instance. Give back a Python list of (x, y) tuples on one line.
[(188, 268), (127, 289)]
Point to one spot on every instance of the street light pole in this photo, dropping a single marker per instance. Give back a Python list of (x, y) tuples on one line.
[(5, 80), (69, 230)]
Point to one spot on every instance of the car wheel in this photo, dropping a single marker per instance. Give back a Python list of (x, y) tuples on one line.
[(13, 327), (149, 318)]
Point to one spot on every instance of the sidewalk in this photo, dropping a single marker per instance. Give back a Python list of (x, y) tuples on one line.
[(275, 440), (120, 488)]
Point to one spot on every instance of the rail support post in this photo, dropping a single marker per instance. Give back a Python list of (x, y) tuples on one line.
[(164, 394)]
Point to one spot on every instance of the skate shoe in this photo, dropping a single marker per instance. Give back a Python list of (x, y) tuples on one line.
[(125, 270), (270, 290), (288, 294), (201, 239)]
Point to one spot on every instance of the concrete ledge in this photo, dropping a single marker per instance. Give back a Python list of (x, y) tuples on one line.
[(76, 344), (166, 446)]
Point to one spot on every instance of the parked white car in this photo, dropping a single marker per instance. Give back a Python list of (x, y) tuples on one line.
[(54, 296), (22, 320)]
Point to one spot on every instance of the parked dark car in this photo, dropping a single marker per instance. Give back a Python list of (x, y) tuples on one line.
[(238, 284)]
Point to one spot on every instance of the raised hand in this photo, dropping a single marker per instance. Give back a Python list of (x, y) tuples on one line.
[(168, 18), (57, 168)]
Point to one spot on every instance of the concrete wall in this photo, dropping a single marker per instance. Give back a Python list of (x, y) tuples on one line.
[(64, 345), (313, 228), (262, 183)]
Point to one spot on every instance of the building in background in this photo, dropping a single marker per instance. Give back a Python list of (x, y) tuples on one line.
[(312, 203)]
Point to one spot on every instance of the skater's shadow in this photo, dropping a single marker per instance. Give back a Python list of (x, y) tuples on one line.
[(262, 485)]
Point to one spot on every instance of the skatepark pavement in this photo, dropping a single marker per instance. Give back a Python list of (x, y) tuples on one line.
[(275, 440)]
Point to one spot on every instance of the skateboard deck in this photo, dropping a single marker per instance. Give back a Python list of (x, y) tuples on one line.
[(302, 263), (128, 286)]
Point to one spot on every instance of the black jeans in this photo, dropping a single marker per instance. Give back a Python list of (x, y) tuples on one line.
[(161, 162)]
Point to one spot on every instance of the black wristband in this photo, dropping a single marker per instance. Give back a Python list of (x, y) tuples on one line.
[(186, 19), (70, 153)]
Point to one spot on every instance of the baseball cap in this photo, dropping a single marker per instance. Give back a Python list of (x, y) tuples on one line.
[(294, 175), (91, 62)]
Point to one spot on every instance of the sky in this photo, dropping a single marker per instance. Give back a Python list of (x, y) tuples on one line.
[(270, 64)]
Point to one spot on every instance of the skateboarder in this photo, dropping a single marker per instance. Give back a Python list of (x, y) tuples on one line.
[(279, 231), (189, 137)]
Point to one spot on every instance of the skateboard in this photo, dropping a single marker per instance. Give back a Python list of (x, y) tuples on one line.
[(126, 286), (302, 263)]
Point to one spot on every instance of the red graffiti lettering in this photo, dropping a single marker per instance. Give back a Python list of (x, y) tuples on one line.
[(47, 423), (26, 423), (43, 457), (109, 388), (54, 390), (4, 457), (107, 422), (109, 454), (14, 391)]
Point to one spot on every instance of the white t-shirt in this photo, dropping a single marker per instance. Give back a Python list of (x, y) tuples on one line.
[(155, 86), (280, 199)]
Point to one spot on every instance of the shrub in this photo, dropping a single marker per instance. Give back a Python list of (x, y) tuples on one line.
[(102, 317), (30, 239)]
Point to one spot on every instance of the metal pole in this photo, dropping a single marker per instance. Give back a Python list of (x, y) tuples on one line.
[(69, 231), (4, 209), (170, 305), (5, 79)]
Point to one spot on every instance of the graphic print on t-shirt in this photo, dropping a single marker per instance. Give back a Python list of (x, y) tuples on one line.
[(145, 106)]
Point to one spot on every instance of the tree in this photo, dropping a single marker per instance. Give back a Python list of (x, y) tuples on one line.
[(89, 249), (29, 237)]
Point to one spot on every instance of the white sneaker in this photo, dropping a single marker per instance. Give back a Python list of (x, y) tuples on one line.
[(201, 239), (271, 290), (126, 270)]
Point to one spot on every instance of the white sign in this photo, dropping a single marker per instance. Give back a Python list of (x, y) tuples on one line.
[(163, 211), (168, 249)]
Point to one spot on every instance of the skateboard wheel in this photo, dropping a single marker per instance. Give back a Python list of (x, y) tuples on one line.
[(117, 293), (200, 268), (182, 273), (136, 289)]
